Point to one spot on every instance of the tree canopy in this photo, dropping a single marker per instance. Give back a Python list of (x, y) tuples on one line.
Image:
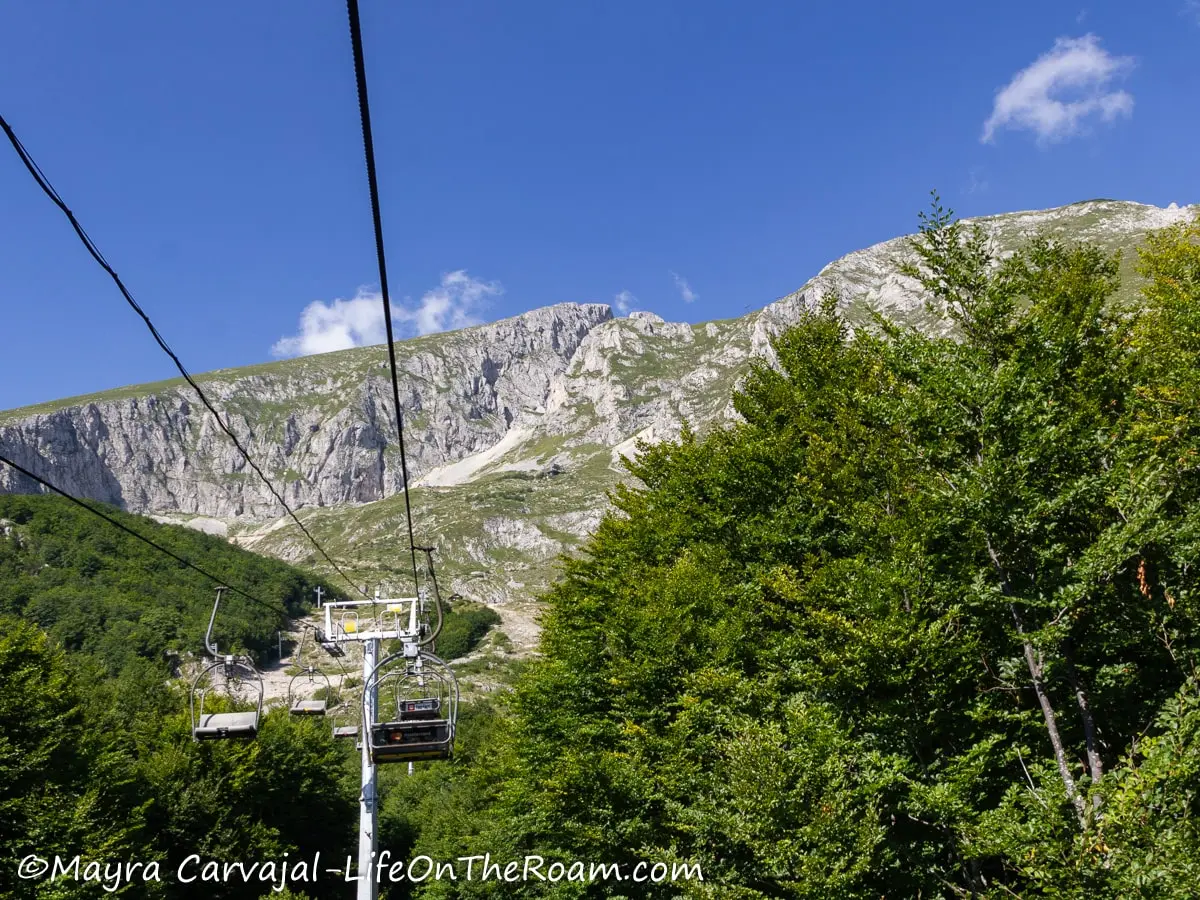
[(922, 624), (96, 754)]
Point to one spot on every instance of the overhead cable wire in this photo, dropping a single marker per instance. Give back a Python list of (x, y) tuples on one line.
[(44, 183), (364, 111)]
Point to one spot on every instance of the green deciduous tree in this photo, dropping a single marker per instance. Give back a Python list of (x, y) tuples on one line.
[(923, 624)]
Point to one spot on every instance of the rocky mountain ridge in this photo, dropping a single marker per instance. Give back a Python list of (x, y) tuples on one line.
[(513, 429)]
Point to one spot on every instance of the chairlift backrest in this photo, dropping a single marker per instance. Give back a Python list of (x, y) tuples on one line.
[(424, 708)]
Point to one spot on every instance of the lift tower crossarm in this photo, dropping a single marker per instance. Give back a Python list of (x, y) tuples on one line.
[(378, 619)]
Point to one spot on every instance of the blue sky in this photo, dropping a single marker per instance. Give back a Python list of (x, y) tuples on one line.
[(697, 159)]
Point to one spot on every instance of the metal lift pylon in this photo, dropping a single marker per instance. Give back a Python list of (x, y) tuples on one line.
[(368, 622), (368, 807)]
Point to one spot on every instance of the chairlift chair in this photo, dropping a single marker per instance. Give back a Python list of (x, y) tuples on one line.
[(344, 728), (298, 704), (230, 672), (230, 675), (417, 711)]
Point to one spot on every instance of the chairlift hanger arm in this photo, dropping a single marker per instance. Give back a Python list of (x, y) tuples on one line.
[(208, 642), (437, 597)]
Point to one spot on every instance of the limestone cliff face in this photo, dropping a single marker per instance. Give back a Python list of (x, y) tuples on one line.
[(513, 429), (323, 430)]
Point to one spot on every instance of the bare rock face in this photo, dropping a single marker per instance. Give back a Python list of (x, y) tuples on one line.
[(324, 433), (559, 394)]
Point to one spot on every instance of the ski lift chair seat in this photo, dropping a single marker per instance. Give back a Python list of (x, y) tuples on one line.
[(214, 726), (308, 708), (345, 731)]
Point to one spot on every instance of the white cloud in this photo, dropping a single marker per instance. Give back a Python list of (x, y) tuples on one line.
[(452, 304), (624, 301), (358, 322), (1191, 9), (685, 290), (338, 326), (1062, 91)]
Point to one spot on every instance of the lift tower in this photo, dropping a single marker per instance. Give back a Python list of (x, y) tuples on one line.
[(369, 622)]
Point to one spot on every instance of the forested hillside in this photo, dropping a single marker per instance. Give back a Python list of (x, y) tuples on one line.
[(96, 755), (101, 591), (923, 625)]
